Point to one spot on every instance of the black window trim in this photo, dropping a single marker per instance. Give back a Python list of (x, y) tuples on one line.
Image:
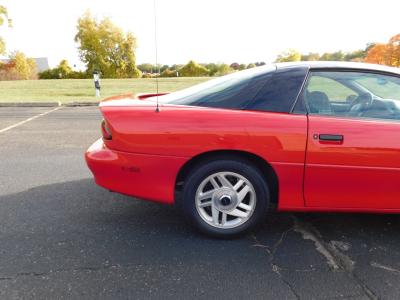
[(299, 97)]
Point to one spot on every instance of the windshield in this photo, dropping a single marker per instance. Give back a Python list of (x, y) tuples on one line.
[(233, 90)]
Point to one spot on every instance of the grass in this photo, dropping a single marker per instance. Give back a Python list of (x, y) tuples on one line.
[(71, 90)]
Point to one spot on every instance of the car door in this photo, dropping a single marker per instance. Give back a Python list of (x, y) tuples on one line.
[(353, 144)]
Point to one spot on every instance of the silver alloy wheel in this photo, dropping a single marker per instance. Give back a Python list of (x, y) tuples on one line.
[(225, 200)]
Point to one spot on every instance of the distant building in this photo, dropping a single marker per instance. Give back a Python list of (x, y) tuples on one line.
[(41, 62)]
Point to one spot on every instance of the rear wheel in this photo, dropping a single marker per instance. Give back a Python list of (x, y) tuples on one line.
[(224, 198)]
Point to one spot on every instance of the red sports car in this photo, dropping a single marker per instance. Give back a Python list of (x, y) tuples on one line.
[(289, 137)]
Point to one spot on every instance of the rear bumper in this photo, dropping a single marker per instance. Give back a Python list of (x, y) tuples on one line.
[(150, 177)]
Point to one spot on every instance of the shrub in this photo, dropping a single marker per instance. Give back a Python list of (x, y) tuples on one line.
[(63, 71), (147, 75), (193, 69), (168, 73)]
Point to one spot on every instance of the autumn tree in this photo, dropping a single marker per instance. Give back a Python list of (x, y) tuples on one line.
[(385, 54), (235, 66), (289, 55), (3, 20), (105, 47), (18, 67), (394, 50), (377, 54)]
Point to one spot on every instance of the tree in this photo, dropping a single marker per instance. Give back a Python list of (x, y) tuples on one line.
[(357, 55), (218, 69), (377, 54), (19, 67), (333, 56), (289, 55), (242, 67), (168, 73), (3, 19), (26, 67), (64, 68), (310, 56), (163, 68), (193, 69), (223, 69), (251, 65), (394, 50), (212, 68), (63, 71), (385, 54), (235, 66), (104, 47)]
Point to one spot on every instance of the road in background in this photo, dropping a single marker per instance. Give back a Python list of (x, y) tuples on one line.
[(62, 236)]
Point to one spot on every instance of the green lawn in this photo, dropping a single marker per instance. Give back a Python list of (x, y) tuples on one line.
[(71, 90)]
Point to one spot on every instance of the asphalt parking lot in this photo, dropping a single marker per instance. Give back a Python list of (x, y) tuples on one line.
[(61, 236)]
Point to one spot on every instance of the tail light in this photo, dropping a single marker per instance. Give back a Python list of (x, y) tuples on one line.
[(105, 130)]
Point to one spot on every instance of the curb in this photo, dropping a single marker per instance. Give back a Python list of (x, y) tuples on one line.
[(73, 104), (47, 104)]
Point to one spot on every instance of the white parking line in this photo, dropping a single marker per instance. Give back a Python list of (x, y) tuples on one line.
[(28, 120)]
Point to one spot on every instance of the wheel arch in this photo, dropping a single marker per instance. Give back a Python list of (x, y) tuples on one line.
[(261, 164)]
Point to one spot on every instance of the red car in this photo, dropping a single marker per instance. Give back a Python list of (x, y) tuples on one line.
[(289, 137)]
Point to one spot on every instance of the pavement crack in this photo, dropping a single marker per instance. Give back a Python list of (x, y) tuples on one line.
[(383, 267), (271, 254), (335, 258), (43, 274), (309, 233), (6, 278)]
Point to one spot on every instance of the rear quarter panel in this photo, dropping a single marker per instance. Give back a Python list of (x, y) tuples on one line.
[(278, 138)]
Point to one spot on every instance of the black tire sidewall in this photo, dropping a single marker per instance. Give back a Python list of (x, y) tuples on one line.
[(242, 167)]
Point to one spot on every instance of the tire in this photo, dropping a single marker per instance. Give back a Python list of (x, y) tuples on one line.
[(230, 187)]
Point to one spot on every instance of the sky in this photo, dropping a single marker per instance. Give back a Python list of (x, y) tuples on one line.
[(222, 31)]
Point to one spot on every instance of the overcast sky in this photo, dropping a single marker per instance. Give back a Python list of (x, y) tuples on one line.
[(206, 30)]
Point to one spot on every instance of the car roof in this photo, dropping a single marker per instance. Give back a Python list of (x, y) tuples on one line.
[(338, 65)]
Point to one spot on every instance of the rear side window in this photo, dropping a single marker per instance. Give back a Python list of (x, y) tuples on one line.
[(281, 91), (233, 91)]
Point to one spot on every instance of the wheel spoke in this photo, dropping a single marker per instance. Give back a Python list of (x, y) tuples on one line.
[(238, 184), (205, 203), (215, 214), (238, 213), (225, 182), (244, 206), (214, 183), (206, 195), (243, 192), (223, 220)]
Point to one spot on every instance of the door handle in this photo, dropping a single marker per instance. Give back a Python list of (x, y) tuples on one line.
[(331, 137)]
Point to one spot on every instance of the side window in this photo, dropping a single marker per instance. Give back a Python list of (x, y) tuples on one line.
[(233, 91), (334, 90), (280, 92), (353, 94)]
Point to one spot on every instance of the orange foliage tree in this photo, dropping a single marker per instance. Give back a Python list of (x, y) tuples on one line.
[(385, 54)]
